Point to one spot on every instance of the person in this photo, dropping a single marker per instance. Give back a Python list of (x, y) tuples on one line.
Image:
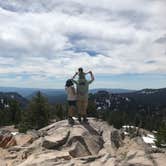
[(72, 99), (82, 95), (81, 74)]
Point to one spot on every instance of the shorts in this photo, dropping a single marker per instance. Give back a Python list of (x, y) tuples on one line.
[(72, 103)]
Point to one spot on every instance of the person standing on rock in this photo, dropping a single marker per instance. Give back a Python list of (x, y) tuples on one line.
[(72, 99), (82, 93)]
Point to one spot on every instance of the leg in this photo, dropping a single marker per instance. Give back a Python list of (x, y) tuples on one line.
[(84, 108), (79, 106), (85, 105), (71, 111)]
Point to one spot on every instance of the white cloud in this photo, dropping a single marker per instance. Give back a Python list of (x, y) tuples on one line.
[(54, 38)]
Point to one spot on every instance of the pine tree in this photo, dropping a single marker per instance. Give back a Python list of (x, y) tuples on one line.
[(60, 112), (40, 111), (161, 135), (1, 117), (37, 114), (11, 114), (15, 110), (91, 110)]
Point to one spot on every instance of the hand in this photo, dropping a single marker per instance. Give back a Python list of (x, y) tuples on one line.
[(90, 72)]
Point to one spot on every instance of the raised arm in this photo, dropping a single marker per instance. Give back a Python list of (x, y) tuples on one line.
[(74, 75), (92, 77)]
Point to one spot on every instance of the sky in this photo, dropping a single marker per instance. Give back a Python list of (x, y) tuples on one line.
[(43, 42)]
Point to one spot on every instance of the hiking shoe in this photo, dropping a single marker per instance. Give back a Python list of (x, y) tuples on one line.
[(79, 119), (85, 120), (71, 121)]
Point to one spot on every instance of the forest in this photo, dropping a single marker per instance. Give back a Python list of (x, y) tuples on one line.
[(39, 113)]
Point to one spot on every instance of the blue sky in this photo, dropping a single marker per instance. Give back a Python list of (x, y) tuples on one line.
[(43, 42)]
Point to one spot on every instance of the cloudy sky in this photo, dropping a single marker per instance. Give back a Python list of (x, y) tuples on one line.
[(43, 42)]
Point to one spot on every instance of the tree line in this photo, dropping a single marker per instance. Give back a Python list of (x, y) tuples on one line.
[(131, 113), (40, 113), (36, 115)]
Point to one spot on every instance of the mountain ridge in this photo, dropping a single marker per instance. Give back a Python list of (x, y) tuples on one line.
[(59, 95), (25, 92)]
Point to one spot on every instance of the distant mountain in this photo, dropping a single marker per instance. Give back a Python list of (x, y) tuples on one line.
[(54, 95), (22, 91), (148, 96), (29, 92), (59, 96), (5, 97), (113, 91), (144, 96)]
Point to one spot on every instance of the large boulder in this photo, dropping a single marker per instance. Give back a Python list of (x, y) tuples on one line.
[(7, 139), (23, 139), (57, 139), (84, 140), (79, 140), (79, 149)]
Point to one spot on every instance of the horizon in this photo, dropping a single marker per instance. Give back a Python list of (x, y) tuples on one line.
[(35, 88), (44, 42)]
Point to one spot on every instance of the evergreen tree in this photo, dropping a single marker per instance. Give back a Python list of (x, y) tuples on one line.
[(15, 110), (60, 112), (37, 114), (1, 117), (26, 121), (116, 118), (10, 114), (40, 110), (91, 110), (161, 135)]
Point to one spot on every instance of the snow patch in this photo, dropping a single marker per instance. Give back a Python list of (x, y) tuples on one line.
[(127, 126), (126, 133), (151, 136), (153, 146), (14, 133), (98, 108), (149, 139)]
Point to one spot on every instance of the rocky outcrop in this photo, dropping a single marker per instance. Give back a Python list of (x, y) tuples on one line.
[(9, 139), (6, 139), (84, 141), (23, 139), (56, 140), (44, 159), (116, 138), (92, 144)]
